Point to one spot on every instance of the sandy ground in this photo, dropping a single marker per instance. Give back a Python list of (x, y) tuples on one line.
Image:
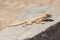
[(9, 10), (56, 4)]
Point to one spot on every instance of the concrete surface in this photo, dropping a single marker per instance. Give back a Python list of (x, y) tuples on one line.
[(38, 28)]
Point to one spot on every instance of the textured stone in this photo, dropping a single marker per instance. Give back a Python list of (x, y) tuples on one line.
[(52, 33)]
